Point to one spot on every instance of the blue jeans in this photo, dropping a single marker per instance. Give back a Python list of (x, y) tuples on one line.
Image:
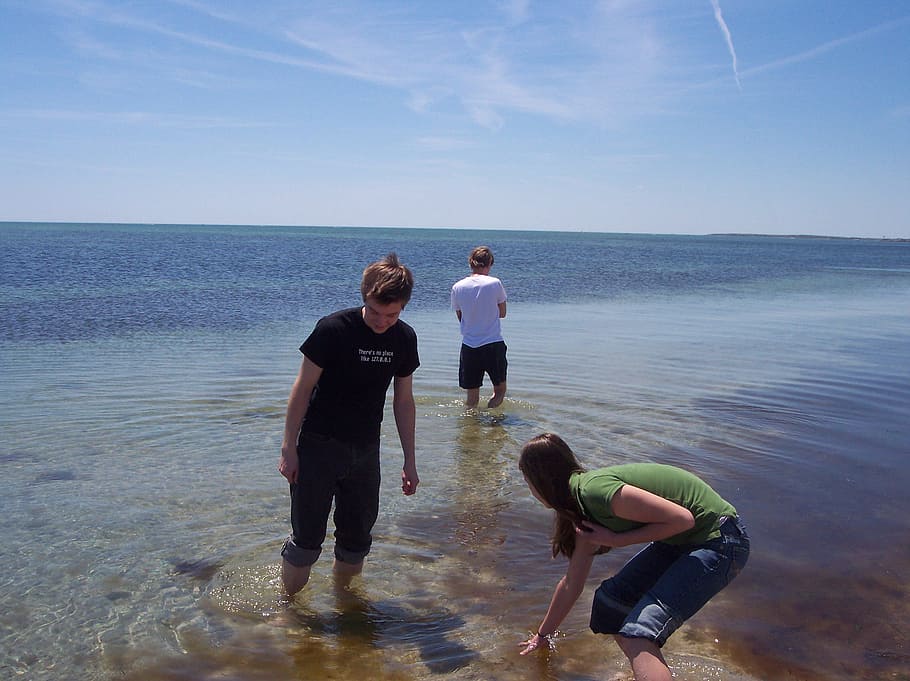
[(664, 585)]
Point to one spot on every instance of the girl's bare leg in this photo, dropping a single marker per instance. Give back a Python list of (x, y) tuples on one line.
[(648, 663)]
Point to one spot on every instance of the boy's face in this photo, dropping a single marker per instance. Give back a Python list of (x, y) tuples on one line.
[(381, 317)]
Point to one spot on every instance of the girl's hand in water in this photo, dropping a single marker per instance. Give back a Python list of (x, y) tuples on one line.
[(536, 641)]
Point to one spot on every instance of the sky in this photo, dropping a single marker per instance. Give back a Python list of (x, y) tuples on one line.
[(670, 116)]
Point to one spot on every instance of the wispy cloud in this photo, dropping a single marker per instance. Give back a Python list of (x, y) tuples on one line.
[(431, 63), (516, 10), (143, 118), (436, 143), (215, 12), (612, 62), (492, 62), (605, 62), (829, 46), (500, 63), (719, 17), (119, 17)]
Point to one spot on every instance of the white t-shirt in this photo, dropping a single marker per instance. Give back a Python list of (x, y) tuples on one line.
[(478, 297)]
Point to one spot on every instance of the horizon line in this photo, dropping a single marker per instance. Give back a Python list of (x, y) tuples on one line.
[(789, 235)]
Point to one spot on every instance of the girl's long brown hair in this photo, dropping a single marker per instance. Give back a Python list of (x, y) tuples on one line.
[(547, 462)]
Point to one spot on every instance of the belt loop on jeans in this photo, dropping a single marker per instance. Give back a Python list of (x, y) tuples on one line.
[(734, 524)]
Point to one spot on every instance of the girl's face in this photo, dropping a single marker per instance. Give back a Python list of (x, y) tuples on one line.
[(535, 493)]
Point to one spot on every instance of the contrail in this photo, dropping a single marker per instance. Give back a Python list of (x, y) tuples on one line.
[(723, 27)]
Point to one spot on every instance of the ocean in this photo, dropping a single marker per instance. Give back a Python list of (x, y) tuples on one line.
[(145, 372)]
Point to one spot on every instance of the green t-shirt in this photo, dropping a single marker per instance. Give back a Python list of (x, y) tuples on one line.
[(594, 490)]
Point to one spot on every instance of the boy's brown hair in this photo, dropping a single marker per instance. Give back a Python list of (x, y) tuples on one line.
[(387, 281), (480, 257)]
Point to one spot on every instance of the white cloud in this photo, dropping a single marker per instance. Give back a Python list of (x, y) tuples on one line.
[(719, 17), (819, 50), (141, 118), (494, 63), (516, 10), (436, 143)]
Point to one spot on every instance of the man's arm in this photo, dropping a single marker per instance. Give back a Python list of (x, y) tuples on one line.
[(455, 304), (298, 402), (502, 309), (405, 412)]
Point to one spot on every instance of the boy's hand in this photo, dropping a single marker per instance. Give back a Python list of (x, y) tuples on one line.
[(409, 480)]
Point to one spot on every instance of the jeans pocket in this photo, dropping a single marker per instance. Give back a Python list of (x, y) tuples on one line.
[(316, 438), (738, 558)]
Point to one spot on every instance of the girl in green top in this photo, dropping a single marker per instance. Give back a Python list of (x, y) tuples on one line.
[(696, 546)]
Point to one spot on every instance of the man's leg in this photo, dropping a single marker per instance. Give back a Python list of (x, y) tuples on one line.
[(311, 503), (496, 365), (470, 375), (499, 392), (294, 578), (345, 572), (356, 510)]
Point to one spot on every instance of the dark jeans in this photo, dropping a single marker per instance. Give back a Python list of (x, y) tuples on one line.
[(345, 472)]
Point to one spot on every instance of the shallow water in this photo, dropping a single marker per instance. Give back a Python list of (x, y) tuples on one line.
[(142, 513)]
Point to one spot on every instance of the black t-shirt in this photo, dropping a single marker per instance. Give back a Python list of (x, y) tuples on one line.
[(357, 368)]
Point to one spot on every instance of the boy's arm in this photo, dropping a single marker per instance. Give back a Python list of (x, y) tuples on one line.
[(298, 402), (405, 412), (455, 304)]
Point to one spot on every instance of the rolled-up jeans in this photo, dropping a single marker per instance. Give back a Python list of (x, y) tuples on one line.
[(331, 469), (663, 585)]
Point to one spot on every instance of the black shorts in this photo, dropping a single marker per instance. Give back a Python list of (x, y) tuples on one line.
[(475, 362)]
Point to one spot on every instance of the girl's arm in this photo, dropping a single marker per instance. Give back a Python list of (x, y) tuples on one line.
[(662, 518), (564, 596)]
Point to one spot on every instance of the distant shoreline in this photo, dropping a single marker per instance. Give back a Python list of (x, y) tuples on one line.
[(815, 236), (465, 229)]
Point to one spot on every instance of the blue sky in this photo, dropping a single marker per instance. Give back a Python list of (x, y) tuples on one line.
[(679, 116)]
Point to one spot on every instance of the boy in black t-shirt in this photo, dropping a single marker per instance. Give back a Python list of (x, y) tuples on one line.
[(331, 435)]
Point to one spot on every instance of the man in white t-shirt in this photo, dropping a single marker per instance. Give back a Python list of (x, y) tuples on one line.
[(479, 301)]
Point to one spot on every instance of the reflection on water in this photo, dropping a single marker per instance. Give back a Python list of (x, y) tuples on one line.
[(144, 543), (449, 590), (482, 457)]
